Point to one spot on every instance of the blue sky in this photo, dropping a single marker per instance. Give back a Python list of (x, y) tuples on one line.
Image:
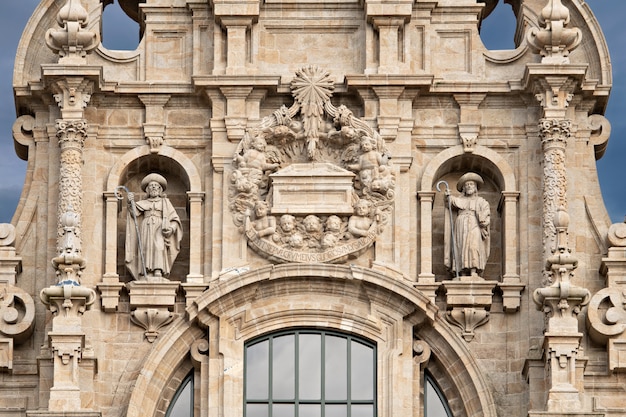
[(497, 33)]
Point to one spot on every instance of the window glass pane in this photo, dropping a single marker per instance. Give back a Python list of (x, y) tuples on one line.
[(363, 410), (310, 375), (336, 380), (181, 407), (283, 367), (257, 371), (256, 410), (362, 376), (310, 410), (434, 406), (336, 410), (282, 410)]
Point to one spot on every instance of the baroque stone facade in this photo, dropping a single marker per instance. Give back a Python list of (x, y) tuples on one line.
[(282, 176)]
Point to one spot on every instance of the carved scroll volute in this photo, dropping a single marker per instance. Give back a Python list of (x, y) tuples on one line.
[(554, 40), (606, 315), (17, 308)]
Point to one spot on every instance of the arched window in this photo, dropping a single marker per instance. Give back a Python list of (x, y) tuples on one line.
[(435, 403), (310, 373), (182, 404)]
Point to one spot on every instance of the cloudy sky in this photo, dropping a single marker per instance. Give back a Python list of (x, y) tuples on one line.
[(497, 33)]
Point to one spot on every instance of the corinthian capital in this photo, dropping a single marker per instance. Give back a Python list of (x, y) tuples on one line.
[(554, 131)]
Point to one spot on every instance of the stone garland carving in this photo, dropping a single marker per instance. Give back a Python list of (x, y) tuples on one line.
[(554, 134), (312, 183)]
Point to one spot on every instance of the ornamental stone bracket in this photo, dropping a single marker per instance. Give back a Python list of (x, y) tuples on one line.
[(235, 104), (154, 124), (468, 304), (606, 317), (17, 308), (151, 305)]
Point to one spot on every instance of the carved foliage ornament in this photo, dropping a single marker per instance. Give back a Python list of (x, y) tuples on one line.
[(73, 39), (312, 183), (554, 40)]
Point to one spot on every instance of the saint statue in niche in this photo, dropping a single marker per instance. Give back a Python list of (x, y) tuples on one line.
[(467, 246), (153, 232)]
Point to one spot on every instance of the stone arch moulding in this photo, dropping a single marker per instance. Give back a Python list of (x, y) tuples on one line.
[(110, 285), (504, 177), (389, 312)]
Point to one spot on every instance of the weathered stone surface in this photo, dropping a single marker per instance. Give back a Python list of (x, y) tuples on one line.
[(303, 144)]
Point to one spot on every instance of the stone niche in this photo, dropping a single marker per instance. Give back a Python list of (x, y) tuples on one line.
[(318, 188)]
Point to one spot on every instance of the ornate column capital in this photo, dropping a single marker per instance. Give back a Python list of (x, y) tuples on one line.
[(72, 94)]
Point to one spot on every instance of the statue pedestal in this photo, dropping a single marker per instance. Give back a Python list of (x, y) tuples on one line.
[(152, 304), (468, 304)]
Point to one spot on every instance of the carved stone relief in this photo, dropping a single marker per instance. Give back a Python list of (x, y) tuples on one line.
[(312, 183)]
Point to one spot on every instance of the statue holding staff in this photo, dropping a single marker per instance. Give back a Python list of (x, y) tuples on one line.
[(155, 238), (467, 247)]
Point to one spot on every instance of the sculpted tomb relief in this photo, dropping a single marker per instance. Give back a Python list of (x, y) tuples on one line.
[(311, 183)]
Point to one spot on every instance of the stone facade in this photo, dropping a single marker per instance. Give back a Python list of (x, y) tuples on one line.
[(310, 154)]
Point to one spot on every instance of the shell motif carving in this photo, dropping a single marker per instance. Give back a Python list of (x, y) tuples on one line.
[(312, 182)]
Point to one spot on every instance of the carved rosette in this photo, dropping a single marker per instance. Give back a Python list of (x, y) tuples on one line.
[(554, 134), (71, 135), (311, 183)]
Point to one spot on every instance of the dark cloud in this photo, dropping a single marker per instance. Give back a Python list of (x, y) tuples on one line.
[(120, 33)]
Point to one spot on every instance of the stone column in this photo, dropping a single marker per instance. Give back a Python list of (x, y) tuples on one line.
[(554, 134), (68, 300), (71, 135)]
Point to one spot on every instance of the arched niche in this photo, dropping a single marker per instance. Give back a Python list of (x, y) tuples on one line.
[(499, 189), (184, 190), (355, 300)]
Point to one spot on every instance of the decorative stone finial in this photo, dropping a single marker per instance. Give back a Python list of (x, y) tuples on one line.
[(553, 40), (73, 41)]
